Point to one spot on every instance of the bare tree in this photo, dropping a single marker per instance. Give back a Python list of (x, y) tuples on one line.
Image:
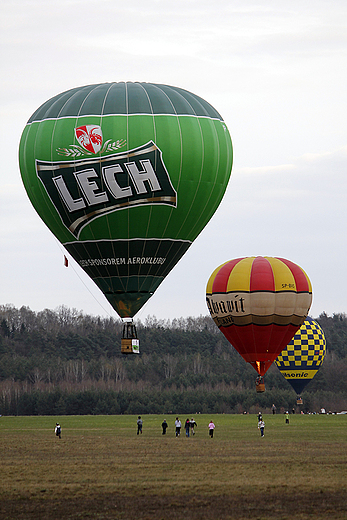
[(169, 363)]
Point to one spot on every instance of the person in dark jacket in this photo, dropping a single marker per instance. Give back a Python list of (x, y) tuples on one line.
[(164, 426), (192, 426), (139, 423), (57, 430)]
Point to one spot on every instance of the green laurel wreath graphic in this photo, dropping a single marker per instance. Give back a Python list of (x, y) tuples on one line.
[(77, 151)]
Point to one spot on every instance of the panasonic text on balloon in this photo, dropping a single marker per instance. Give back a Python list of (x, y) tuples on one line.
[(295, 375)]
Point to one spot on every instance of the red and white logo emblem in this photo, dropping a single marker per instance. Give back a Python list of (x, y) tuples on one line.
[(90, 137)]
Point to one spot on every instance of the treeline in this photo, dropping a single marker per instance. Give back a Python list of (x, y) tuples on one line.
[(63, 361), (192, 401)]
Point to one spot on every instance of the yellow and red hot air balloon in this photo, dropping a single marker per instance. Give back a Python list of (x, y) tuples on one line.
[(259, 303)]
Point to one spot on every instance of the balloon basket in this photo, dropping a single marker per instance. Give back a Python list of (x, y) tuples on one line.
[(130, 343), (259, 384), (298, 400), (130, 346)]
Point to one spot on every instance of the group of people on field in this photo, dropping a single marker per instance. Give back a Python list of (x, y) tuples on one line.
[(189, 427)]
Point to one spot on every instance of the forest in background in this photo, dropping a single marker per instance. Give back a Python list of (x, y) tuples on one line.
[(61, 362)]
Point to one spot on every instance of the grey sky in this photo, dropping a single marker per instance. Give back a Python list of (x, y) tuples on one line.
[(275, 70)]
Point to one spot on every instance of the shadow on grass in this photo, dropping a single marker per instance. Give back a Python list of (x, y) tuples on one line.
[(266, 506)]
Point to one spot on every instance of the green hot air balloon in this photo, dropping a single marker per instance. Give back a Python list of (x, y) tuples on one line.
[(126, 176)]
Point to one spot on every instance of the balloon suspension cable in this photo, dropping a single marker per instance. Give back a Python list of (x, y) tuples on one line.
[(85, 285)]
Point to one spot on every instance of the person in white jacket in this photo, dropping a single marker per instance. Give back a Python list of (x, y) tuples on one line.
[(178, 426), (261, 426)]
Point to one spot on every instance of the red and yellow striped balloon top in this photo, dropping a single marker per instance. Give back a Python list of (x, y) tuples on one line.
[(259, 303)]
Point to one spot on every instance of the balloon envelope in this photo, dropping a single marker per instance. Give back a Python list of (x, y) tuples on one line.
[(126, 175), (303, 356), (259, 303)]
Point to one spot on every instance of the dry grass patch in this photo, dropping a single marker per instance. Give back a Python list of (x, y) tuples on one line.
[(102, 469)]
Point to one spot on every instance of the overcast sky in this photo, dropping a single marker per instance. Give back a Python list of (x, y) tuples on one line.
[(275, 70)]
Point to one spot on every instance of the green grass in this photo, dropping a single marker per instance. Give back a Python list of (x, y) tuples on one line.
[(102, 469)]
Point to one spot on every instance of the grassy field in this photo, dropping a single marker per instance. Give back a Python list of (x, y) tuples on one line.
[(101, 469)]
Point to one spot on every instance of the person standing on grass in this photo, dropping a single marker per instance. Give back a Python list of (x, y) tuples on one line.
[(178, 426), (192, 425), (139, 423), (164, 426), (187, 427), (211, 428), (261, 426), (57, 430)]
